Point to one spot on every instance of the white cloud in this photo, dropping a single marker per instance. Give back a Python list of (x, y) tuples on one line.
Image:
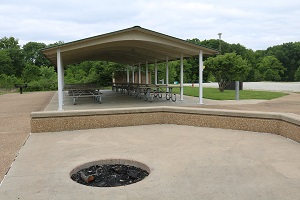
[(254, 24)]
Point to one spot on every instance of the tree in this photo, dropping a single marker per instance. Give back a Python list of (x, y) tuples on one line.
[(9, 43), (97, 72), (33, 55), (100, 73), (226, 68), (47, 73), (173, 66), (12, 47), (47, 79), (289, 55), (297, 74), (56, 43), (74, 75), (239, 49), (8, 82), (5, 63), (30, 73), (270, 68)]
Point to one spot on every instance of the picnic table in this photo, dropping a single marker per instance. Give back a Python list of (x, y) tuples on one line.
[(168, 90), (83, 90), (148, 90)]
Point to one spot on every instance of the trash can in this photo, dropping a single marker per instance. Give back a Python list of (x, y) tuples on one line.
[(21, 86), (231, 85)]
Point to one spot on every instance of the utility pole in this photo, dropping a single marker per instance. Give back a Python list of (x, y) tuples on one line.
[(220, 34)]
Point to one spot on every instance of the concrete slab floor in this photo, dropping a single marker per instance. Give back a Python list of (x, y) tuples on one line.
[(111, 99), (186, 163)]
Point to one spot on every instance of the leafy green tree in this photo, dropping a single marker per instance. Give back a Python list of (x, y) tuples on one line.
[(74, 75), (173, 66), (5, 63), (47, 78), (192, 72), (297, 74), (239, 49), (56, 43), (100, 73), (9, 43), (289, 55), (30, 73), (97, 72), (47, 72), (8, 82), (12, 47), (212, 43), (33, 55), (226, 68), (270, 68), (17, 61), (41, 78)]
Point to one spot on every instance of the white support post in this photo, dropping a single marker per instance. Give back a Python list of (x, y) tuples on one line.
[(147, 78), (155, 71), (59, 80), (167, 73), (139, 73), (201, 77), (181, 77), (132, 73), (63, 79), (127, 74)]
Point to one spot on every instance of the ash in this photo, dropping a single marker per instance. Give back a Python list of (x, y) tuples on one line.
[(110, 175)]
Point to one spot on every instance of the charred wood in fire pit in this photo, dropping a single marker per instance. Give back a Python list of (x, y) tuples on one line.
[(109, 175)]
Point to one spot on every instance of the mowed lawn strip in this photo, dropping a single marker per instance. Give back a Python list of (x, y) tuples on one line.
[(215, 94)]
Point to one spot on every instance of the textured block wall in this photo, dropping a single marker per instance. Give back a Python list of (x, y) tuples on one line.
[(248, 121)]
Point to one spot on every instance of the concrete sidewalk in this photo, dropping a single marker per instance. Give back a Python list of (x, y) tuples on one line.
[(185, 163), (286, 104), (264, 86), (15, 112)]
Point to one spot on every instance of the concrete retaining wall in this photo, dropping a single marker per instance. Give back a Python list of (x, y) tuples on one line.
[(285, 124)]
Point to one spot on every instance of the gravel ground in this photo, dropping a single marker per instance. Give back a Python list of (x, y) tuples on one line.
[(15, 112)]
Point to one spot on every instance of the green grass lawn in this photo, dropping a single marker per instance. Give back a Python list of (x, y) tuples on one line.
[(215, 94)]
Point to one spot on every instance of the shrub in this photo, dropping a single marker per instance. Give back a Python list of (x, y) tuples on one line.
[(8, 82)]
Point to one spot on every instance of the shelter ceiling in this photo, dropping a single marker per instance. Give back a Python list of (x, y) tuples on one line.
[(130, 46)]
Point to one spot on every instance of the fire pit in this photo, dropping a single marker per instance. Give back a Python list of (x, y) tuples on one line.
[(110, 173)]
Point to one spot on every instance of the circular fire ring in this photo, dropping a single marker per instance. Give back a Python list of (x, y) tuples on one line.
[(110, 173)]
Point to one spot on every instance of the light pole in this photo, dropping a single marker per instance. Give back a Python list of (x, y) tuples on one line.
[(220, 34)]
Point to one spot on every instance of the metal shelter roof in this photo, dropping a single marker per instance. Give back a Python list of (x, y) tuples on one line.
[(128, 46)]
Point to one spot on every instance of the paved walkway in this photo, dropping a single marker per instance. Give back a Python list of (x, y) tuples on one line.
[(265, 86), (287, 104), (15, 112)]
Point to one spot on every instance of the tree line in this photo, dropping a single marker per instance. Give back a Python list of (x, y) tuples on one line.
[(27, 64)]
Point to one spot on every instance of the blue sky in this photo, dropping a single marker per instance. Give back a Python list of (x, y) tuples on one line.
[(255, 24)]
